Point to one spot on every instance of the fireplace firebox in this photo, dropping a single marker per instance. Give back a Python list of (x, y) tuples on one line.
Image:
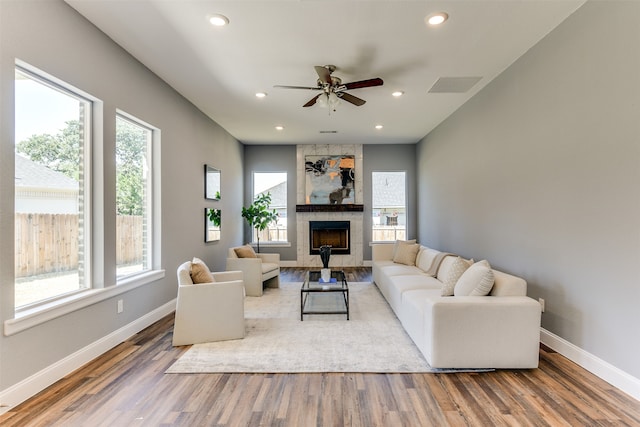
[(333, 233)]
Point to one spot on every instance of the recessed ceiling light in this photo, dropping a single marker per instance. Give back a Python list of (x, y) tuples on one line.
[(398, 93), (379, 127), (437, 18), (279, 127), (218, 20), (261, 94)]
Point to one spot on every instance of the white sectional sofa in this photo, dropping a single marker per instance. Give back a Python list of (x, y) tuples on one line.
[(465, 330)]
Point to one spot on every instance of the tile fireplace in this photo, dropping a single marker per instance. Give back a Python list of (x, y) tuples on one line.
[(336, 234)]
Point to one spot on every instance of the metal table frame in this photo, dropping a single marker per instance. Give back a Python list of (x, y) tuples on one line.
[(311, 285)]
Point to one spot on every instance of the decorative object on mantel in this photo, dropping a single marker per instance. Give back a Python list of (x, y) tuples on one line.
[(325, 271), (258, 214), (330, 179)]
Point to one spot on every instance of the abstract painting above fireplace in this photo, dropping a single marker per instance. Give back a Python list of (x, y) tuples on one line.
[(329, 179)]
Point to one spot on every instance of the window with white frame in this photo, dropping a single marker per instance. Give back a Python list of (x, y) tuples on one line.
[(275, 184), (52, 189), (389, 210), (134, 193)]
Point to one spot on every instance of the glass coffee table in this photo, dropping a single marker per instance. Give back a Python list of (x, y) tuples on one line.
[(313, 285)]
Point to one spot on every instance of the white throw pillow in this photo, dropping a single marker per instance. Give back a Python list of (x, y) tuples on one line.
[(476, 281), (455, 270), (406, 254)]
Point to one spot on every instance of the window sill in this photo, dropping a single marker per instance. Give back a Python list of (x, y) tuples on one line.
[(272, 244), (382, 242), (28, 318)]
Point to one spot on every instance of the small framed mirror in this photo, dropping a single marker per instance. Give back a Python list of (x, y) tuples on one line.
[(211, 183), (212, 222)]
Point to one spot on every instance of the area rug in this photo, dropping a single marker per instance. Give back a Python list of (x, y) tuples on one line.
[(277, 341)]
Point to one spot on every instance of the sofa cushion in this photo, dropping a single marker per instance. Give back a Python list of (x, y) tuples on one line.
[(417, 280), (453, 272), (200, 272), (245, 251), (477, 280), (406, 254), (398, 269)]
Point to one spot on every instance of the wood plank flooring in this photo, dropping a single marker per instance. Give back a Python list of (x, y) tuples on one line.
[(127, 387)]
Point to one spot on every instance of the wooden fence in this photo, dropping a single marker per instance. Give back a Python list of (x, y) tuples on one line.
[(49, 243)]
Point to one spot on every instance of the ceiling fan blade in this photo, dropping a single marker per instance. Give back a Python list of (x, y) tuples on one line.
[(312, 101), (364, 83), (298, 87), (352, 99), (324, 74)]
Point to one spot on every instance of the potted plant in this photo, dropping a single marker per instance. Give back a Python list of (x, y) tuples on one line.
[(258, 214)]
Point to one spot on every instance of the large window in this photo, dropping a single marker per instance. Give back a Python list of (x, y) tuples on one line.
[(274, 183), (389, 208), (133, 196), (52, 189)]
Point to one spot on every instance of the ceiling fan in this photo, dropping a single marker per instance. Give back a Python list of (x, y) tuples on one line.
[(333, 89)]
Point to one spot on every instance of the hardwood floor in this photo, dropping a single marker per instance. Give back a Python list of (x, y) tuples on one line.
[(127, 387)]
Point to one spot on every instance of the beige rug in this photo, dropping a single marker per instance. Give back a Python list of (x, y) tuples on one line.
[(278, 342)]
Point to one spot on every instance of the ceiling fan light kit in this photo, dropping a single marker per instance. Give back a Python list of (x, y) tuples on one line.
[(333, 90)]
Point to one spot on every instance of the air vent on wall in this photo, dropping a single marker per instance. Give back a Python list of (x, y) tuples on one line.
[(454, 84), (328, 131)]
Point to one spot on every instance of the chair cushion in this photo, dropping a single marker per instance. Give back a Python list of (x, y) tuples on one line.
[(245, 251), (269, 266), (200, 273)]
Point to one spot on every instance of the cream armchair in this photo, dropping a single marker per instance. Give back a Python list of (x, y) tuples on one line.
[(207, 312), (258, 269)]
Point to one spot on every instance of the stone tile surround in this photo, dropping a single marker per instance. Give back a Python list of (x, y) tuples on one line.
[(303, 258)]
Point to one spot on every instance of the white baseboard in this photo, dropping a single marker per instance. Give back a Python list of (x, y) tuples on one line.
[(288, 263), (28, 387), (614, 376)]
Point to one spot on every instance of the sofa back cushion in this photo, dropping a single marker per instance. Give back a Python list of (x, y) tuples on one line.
[(425, 258)]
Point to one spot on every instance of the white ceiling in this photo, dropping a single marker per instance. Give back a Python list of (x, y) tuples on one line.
[(279, 42)]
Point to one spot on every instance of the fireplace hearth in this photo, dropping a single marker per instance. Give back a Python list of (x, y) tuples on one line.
[(332, 233)]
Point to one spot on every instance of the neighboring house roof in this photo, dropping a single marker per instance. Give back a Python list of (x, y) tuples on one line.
[(278, 195), (33, 175), (386, 187)]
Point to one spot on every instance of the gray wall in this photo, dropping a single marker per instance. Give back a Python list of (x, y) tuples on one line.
[(539, 174), (53, 37), (389, 158), (272, 158)]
